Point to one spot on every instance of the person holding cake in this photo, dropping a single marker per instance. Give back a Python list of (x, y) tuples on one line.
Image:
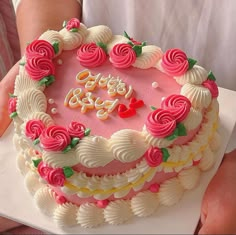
[(204, 38)]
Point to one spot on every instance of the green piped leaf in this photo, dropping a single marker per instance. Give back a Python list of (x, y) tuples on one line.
[(68, 171), (165, 154), (22, 63), (12, 95), (153, 107), (14, 114), (55, 47), (47, 80), (87, 131), (74, 30), (181, 129), (191, 63), (138, 49), (103, 46), (126, 35), (64, 24), (74, 142), (211, 76), (36, 162), (36, 141), (174, 135), (67, 149)]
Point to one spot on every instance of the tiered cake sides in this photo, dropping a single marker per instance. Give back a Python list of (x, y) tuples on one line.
[(69, 170)]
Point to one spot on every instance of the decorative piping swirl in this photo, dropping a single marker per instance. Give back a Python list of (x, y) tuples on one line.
[(178, 105), (39, 48), (212, 86), (160, 123), (99, 33), (149, 57), (197, 75), (39, 67), (175, 62), (34, 128), (122, 55), (54, 138), (76, 129), (91, 55)]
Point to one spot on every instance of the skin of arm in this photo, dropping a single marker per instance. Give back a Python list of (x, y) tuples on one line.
[(33, 18)]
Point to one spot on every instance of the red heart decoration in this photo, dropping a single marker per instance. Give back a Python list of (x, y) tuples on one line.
[(121, 108), (124, 112), (134, 103)]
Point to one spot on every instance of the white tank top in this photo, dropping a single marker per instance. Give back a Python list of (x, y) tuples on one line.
[(204, 29)]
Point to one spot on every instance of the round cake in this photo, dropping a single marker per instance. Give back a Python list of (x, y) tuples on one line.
[(107, 127)]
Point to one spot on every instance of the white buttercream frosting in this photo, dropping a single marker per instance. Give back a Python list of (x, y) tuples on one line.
[(207, 161), (72, 40), (45, 199), (58, 159), (52, 37), (189, 178), (21, 164), (215, 142), (171, 191), (44, 117), (30, 101), (118, 212), (99, 33), (32, 182), (193, 120), (94, 152), (149, 57), (24, 82), (127, 145), (115, 40), (197, 75), (144, 203), (89, 215), (65, 214), (199, 96)]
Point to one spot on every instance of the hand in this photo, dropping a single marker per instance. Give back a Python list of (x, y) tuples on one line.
[(219, 202), (6, 87)]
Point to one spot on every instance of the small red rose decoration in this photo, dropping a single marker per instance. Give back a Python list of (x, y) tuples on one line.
[(73, 24), (161, 123), (12, 105), (76, 130), (34, 128), (212, 86), (154, 156)]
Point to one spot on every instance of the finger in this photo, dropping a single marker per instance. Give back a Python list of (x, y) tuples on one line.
[(6, 87)]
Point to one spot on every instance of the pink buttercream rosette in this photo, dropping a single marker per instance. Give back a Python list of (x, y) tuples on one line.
[(178, 105), (160, 123), (154, 156), (76, 130), (73, 24), (12, 105), (34, 128), (91, 55), (55, 138), (122, 55), (40, 48), (175, 62)]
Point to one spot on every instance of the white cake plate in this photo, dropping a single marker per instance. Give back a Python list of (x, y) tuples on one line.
[(17, 204)]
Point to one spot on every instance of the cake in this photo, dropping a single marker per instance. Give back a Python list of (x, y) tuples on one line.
[(107, 128)]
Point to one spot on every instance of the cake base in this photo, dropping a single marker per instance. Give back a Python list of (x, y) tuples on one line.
[(187, 209)]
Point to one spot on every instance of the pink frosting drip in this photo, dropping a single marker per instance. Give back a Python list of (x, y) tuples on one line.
[(91, 55), (76, 129), (34, 128), (54, 138), (122, 55), (72, 24), (212, 86), (154, 157), (178, 105), (39, 67), (40, 47), (56, 177), (160, 123), (175, 62), (12, 105)]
